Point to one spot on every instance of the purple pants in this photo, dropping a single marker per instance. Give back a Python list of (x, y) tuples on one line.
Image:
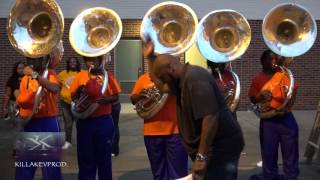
[(167, 156), (281, 131), (94, 143), (49, 124)]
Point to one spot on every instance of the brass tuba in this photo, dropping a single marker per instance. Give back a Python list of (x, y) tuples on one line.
[(289, 30), (223, 36), (171, 27), (34, 29), (94, 32)]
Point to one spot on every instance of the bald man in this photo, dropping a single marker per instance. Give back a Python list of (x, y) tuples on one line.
[(210, 134)]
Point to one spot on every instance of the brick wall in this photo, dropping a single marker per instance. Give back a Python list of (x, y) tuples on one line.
[(305, 68)]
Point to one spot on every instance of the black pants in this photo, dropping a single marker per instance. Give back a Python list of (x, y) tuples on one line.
[(223, 164), (116, 108), (68, 119), (224, 167)]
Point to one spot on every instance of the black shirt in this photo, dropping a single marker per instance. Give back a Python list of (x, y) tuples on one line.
[(14, 83), (200, 96)]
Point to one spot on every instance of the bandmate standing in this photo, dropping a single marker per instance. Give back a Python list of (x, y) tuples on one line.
[(39, 88), (211, 135), (65, 78), (282, 129), (94, 133), (168, 158), (93, 33), (45, 118)]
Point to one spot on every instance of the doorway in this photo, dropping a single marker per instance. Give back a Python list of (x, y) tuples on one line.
[(128, 66)]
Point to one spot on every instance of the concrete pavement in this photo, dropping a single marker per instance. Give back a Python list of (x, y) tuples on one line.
[(132, 163)]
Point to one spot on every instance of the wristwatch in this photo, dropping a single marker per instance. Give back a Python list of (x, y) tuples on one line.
[(34, 75), (201, 157)]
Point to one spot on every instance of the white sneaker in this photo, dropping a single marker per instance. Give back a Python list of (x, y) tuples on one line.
[(7, 118), (66, 145), (259, 164)]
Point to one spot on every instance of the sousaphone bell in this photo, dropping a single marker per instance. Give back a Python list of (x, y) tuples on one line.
[(35, 27), (170, 26)]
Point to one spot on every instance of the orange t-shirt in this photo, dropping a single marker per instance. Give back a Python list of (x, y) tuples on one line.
[(271, 83), (49, 101), (81, 79), (165, 121)]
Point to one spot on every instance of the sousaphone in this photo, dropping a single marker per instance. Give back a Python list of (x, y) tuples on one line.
[(289, 30), (94, 32), (34, 29), (171, 27), (222, 37)]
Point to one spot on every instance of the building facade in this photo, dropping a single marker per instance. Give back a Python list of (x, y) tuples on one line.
[(305, 68)]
